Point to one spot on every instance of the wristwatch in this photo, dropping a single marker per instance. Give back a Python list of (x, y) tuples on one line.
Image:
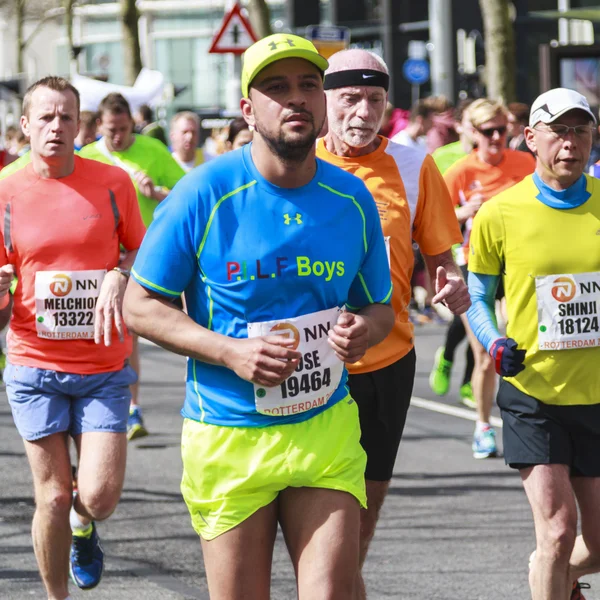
[(125, 272)]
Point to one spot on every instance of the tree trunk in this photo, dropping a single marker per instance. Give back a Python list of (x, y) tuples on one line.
[(20, 17), (68, 4), (132, 57), (500, 65), (260, 18)]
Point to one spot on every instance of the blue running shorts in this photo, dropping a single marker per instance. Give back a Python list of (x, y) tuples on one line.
[(44, 402)]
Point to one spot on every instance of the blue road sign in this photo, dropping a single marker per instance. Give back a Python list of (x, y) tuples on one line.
[(416, 71), (328, 33)]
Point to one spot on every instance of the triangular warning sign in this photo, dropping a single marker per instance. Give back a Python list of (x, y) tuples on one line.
[(235, 35)]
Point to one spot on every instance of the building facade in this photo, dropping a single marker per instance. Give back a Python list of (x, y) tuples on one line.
[(175, 36)]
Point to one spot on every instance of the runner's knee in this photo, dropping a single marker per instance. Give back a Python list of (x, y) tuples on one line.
[(557, 541), (339, 585), (54, 500), (99, 504)]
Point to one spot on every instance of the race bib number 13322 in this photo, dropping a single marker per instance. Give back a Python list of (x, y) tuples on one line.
[(65, 302)]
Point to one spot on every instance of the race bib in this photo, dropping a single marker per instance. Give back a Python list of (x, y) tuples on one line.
[(65, 302), (568, 315), (317, 375)]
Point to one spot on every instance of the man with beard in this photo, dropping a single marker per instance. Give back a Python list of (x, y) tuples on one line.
[(285, 274), (413, 203)]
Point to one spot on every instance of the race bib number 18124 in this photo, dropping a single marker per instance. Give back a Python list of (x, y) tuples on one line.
[(568, 315)]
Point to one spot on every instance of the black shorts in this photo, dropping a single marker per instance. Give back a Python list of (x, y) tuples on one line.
[(383, 398), (499, 290), (535, 433)]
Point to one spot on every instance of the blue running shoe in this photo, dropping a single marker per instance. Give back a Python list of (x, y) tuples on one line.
[(135, 424), (484, 443), (87, 560)]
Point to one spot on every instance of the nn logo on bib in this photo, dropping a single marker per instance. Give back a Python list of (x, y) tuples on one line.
[(563, 289), (289, 331), (61, 285)]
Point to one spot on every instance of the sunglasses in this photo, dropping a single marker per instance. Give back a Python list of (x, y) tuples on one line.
[(489, 132)]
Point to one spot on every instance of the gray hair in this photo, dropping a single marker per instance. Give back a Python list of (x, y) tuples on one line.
[(187, 115)]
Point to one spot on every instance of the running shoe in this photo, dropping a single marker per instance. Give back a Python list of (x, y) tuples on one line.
[(484, 443), (87, 560), (466, 395), (439, 378), (135, 424), (576, 592)]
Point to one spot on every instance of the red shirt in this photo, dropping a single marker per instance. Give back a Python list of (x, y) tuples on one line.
[(68, 225)]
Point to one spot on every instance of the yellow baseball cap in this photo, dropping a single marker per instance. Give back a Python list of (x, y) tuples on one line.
[(273, 48)]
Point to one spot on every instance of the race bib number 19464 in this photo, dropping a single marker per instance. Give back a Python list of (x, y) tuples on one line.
[(319, 372)]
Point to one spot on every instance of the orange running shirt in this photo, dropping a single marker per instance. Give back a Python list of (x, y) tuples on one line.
[(413, 203), (470, 176), (72, 224)]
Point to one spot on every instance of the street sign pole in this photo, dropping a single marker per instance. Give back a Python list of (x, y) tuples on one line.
[(233, 90), (416, 93), (442, 78), (416, 72)]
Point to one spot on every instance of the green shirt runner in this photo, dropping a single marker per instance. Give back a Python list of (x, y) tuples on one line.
[(147, 155), (445, 156)]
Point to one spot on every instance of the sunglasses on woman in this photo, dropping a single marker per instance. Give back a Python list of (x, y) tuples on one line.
[(489, 131)]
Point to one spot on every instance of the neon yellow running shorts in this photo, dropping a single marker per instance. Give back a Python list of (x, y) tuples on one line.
[(231, 472)]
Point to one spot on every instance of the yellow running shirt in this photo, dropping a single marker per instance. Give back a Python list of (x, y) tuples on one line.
[(517, 235), (413, 203)]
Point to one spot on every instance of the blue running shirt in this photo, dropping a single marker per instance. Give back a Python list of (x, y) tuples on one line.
[(246, 251)]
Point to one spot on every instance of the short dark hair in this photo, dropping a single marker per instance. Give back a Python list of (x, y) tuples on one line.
[(114, 104), (88, 118), (146, 113), (52, 82), (237, 125), (421, 109), (520, 110), (460, 108)]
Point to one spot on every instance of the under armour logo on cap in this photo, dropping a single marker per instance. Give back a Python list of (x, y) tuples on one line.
[(273, 45)]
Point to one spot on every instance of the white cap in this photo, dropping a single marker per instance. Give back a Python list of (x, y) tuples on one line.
[(552, 104)]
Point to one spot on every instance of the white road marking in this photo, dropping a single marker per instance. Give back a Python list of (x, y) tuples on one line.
[(454, 411)]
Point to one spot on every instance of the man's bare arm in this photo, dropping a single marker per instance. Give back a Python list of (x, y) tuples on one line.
[(263, 360)]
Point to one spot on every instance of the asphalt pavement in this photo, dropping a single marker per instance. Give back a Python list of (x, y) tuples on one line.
[(452, 527)]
